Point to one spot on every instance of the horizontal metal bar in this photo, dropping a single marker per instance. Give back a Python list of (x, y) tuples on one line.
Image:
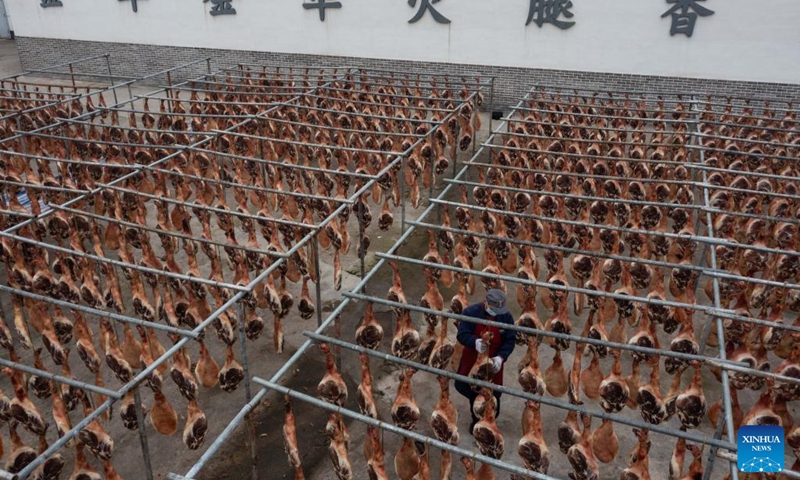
[(76, 61), (98, 312), (58, 378)]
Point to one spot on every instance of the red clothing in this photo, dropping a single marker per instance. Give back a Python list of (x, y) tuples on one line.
[(470, 355)]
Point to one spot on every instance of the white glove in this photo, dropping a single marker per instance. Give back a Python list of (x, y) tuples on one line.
[(497, 362), (479, 346)]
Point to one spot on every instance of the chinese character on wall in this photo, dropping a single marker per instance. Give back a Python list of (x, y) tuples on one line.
[(427, 5), (684, 15), (549, 11), (321, 5), (221, 7), (51, 3)]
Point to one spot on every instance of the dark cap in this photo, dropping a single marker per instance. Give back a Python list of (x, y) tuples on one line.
[(496, 300)]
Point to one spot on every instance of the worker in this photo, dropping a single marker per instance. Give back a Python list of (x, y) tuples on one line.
[(499, 348)]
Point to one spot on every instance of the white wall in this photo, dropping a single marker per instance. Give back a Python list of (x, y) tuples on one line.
[(745, 40)]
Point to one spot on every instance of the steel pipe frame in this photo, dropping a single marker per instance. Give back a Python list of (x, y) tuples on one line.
[(379, 104), (122, 127), (98, 312), (746, 140), (582, 197), (665, 121), (651, 233), (243, 89), (288, 365), (584, 155), (234, 213), (357, 114), (651, 93), (400, 75), (234, 424), (740, 153), (545, 87), (142, 376), (761, 128), (590, 127), (302, 144), (119, 263), (397, 95), (475, 457), (179, 235), (223, 437), (340, 129), (176, 347), (694, 207), (722, 313), (246, 186), (726, 389), (541, 399), (304, 347), (58, 378), (709, 100), (233, 300), (201, 102), (124, 84), (711, 361), (187, 114), (689, 165), (286, 165), (578, 251)]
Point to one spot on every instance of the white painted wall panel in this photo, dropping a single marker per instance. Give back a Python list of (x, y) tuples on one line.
[(755, 40)]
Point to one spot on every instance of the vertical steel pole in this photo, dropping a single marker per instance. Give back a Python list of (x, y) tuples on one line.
[(251, 429), (148, 469), (361, 252), (169, 91), (72, 76), (726, 393), (319, 280), (208, 65), (402, 179), (111, 79), (243, 338), (491, 106)]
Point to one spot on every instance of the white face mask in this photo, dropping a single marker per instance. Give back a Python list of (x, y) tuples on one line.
[(491, 312)]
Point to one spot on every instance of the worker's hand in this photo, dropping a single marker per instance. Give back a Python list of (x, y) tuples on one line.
[(497, 363), (479, 346)]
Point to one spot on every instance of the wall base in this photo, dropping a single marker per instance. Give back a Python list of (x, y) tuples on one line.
[(511, 83)]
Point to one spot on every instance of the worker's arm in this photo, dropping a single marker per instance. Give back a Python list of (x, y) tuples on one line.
[(466, 330), (509, 340)]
